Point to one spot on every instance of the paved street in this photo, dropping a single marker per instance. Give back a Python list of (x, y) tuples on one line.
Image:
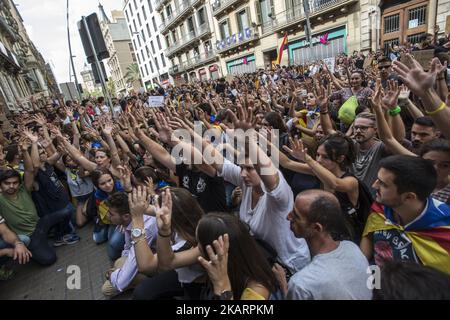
[(33, 282)]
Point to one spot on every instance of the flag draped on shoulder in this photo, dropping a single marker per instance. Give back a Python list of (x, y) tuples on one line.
[(429, 234), (283, 46)]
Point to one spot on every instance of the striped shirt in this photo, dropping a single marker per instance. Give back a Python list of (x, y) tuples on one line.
[(443, 194)]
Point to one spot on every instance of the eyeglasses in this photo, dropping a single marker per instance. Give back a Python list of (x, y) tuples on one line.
[(361, 128)]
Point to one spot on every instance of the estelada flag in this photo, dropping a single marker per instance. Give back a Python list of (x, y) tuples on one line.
[(429, 234), (282, 47)]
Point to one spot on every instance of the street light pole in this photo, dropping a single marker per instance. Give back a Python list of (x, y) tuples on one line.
[(308, 27), (70, 53)]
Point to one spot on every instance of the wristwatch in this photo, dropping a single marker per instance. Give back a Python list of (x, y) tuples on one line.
[(136, 232)]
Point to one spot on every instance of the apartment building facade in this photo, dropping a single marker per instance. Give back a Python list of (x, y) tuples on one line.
[(188, 31), (143, 24), (120, 48)]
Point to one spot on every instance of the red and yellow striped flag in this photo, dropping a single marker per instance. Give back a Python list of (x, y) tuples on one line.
[(282, 47)]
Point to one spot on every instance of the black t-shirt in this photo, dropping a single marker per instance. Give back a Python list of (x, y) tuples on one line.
[(209, 191), (51, 195)]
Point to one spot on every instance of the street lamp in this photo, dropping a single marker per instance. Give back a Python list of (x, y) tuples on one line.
[(151, 57)]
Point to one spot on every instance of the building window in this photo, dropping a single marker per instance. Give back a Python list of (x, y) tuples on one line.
[(139, 41), (131, 30), (134, 42), (148, 31), (143, 12), (142, 71), (243, 18), (139, 59), (126, 13), (150, 6), (392, 23), (135, 5), (146, 70), (133, 56), (153, 47), (142, 55), (159, 42), (156, 63), (134, 23), (163, 60), (154, 24), (417, 17), (143, 35), (167, 41), (139, 19), (414, 38), (264, 10), (148, 52), (224, 29), (201, 16), (151, 66), (131, 10), (130, 45)]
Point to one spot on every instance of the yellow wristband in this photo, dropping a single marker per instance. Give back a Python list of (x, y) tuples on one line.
[(441, 107)]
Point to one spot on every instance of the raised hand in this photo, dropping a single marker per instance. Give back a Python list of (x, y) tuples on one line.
[(417, 80), (244, 120), (321, 97), (404, 92), (163, 127), (30, 135), (164, 213), (298, 151), (390, 98), (138, 203), (217, 266), (107, 129)]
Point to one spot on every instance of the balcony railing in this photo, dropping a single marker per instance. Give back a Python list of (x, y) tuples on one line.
[(176, 69), (296, 14), (200, 59), (236, 40), (219, 6), (159, 4), (182, 8), (181, 43), (188, 39)]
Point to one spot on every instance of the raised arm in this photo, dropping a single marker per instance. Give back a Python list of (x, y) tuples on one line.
[(107, 131), (167, 259), (421, 84), (390, 100), (28, 176)]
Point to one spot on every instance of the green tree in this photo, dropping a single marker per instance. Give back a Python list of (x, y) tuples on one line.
[(132, 76)]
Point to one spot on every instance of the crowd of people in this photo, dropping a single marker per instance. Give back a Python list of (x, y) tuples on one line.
[(362, 179)]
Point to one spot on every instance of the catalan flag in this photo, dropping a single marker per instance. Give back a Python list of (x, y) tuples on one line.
[(429, 234), (283, 46)]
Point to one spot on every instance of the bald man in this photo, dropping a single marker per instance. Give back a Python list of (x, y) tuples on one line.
[(338, 269)]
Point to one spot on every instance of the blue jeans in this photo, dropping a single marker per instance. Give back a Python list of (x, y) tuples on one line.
[(116, 239), (3, 245), (64, 227)]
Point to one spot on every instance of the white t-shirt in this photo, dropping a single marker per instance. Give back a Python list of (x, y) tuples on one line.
[(337, 275), (268, 220)]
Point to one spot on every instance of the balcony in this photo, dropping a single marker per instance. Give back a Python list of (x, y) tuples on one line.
[(185, 41), (160, 3), (182, 8), (237, 40), (296, 14), (200, 60), (174, 70), (220, 7), (189, 39), (196, 3)]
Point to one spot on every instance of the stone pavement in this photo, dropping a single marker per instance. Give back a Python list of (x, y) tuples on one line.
[(34, 282)]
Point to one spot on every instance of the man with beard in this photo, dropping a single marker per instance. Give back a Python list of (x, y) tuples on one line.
[(406, 223), (370, 151), (423, 131), (337, 270)]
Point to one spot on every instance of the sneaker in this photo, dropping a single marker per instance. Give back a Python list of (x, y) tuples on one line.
[(5, 273), (71, 238), (59, 242)]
